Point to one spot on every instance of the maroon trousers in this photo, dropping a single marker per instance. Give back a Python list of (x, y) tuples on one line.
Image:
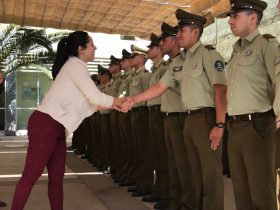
[(47, 147)]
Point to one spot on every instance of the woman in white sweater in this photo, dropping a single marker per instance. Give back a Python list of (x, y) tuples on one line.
[(72, 97)]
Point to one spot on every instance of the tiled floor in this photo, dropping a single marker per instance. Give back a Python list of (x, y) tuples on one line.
[(87, 190)]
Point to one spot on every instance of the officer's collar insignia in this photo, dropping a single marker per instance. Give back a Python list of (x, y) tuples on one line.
[(248, 52), (219, 65), (194, 66), (277, 60), (177, 68)]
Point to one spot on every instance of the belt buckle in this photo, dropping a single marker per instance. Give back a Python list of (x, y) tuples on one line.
[(249, 116), (234, 117), (189, 111)]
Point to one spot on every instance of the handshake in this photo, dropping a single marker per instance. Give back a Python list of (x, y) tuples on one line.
[(123, 104)]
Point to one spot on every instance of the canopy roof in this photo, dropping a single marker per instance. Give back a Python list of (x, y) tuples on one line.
[(125, 17)]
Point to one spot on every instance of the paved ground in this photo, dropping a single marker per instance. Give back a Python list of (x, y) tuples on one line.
[(84, 187)]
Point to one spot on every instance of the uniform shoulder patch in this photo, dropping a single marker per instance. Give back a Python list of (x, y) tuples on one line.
[(219, 65), (146, 71), (164, 63), (277, 60), (209, 47), (268, 36)]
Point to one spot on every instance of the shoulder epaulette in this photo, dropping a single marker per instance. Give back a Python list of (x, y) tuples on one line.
[(268, 36), (209, 47)]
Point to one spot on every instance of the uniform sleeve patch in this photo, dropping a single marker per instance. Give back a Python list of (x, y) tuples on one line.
[(277, 60), (177, 68), (219, 65)]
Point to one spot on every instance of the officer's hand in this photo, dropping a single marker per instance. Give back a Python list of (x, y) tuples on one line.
[(277, 124), (127, 104), (215, 137)]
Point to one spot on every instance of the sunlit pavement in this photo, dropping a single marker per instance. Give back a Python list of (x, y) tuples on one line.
[(84, 187)]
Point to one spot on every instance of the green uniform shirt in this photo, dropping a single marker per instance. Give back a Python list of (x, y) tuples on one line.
[(124, 87), (158, 71), (139, 83), (250, 74), (100, 87), (276, 104), (107, 90), (196, 72), (171, 98), (115, 84)]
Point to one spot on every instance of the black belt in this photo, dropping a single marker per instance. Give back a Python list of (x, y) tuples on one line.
[(154, 108), (174, 114), (248, 117), (202, 110), (105, 114), (139, 108)]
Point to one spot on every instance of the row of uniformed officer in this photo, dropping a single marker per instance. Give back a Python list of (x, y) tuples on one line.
[(200, 73), (196, 77), (251, 124)]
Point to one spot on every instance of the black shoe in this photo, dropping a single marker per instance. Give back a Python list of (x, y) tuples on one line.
[(141, 193), (104, 168), (119, 180), (132, 189), (70, 147), (115, 176), (84, 156), (78, 152), (2, 204), (162, 204), (150, 198), (127, 183)]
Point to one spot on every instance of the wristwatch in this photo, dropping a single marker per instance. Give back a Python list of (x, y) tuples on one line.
[(220, 125)]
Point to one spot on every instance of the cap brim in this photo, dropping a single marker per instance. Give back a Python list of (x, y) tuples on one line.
[(228, 13), (152, 45), (138, 53)]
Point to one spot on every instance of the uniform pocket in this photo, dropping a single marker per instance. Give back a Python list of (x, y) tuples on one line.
[(135, 82), (248, 60)]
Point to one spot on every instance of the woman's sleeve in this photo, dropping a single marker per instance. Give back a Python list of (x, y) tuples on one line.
[(81, 77)]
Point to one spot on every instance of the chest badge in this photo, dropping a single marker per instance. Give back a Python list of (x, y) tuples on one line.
[(177, 68), (194, 66), (248, 52)]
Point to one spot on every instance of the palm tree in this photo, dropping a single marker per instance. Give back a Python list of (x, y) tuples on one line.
[(23, 47)]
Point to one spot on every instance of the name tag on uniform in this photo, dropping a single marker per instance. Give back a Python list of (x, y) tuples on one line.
[(177, 68)]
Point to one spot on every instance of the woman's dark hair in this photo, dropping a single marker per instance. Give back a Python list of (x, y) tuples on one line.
[(68, 46)]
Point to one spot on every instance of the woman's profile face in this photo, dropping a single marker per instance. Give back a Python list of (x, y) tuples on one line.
[(87, 54)]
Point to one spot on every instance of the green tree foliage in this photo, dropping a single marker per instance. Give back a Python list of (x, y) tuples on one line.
[(23, 47)]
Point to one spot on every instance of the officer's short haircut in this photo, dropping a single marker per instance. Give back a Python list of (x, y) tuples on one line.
[(199, 27), (259, 15)]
